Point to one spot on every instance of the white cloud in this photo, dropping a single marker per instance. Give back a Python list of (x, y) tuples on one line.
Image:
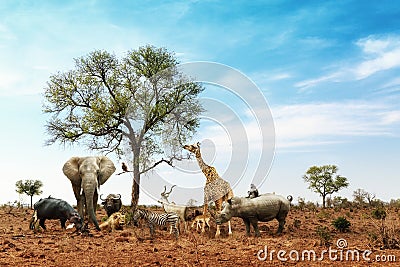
[(307, 125), (280, 76), (391, 117), (378, 54), (385, 61), (7, 78), (392, 83), (375, 46), (326, 123), (5, 34), (260, 78), (313, 82)]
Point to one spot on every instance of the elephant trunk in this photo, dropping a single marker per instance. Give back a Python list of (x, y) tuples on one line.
[(89, 189)]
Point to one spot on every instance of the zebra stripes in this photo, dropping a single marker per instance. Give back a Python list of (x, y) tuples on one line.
[(158, 219)]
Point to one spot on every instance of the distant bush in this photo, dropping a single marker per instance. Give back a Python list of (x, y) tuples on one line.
[(301, 203), (341, 203), (323, 215), (387, 233), (379, 214), (394, 203), (324, 235), (341, 224), (311, 206)]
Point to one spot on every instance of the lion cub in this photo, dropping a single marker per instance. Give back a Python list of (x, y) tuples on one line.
[(115, 222)]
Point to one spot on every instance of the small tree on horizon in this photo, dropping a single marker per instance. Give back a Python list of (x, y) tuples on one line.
[(324, 181), (359, 196), (362, 197), (29, 187)]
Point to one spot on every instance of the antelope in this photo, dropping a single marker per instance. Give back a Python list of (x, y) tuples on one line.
[(181, 211)]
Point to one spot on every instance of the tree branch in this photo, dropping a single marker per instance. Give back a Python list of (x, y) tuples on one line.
[(123, 172), (169, 162)]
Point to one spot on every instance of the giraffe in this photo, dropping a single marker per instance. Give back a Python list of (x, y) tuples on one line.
[(216, 188)]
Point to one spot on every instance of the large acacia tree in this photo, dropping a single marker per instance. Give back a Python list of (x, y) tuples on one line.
[(138, 107), (324, 180)]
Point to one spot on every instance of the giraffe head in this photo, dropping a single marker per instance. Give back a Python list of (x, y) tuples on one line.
[(192, 148)]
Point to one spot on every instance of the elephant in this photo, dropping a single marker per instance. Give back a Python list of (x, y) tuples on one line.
[(86, 175)]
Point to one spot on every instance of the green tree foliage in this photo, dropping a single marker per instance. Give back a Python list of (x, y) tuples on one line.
[(29, 187), (139, 107), (324, 181)]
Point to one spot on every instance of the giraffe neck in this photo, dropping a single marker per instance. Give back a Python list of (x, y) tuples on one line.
[(203, 166), (206, 169)]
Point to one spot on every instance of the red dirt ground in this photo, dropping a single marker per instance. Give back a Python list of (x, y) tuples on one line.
[(132, 246)]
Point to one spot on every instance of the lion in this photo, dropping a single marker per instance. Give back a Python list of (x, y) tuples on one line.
[(115, 222)]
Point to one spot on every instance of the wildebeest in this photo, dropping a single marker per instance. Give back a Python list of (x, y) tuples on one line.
[(263, 208), (112, 203), (53, 209)]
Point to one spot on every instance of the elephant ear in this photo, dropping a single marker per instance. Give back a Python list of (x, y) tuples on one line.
[(107, 168), (71, 170)]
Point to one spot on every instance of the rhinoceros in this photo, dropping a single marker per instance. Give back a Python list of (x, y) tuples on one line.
[(263, 208)]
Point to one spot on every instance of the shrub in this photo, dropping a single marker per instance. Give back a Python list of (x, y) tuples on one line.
[(379, 214), (311, 206), (324, 215), (341, 224), (129, 218), (387, 232), (324, 235), (301, 203)]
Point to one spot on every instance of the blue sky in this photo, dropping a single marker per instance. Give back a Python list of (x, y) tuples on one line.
[(328, 69)]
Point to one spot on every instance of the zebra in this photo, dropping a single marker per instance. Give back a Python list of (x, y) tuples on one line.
[(157, 219)]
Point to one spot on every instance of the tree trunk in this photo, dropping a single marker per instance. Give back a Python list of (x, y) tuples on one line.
[(136, 180), (31, 201), (135, 190), (323, 201)]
